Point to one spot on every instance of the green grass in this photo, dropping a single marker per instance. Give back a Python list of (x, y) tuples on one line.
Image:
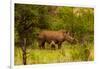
[(68, 53)]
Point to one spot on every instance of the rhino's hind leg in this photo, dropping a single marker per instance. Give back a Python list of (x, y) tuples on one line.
[(42, 44)]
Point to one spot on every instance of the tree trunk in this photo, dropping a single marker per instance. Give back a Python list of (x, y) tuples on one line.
[(24, 51)]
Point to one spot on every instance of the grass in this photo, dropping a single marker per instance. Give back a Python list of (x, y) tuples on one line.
[(68, 53)]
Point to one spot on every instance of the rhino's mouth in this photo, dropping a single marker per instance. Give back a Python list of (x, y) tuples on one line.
[(72, 41)]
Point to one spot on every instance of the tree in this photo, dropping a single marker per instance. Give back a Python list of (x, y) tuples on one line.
[(24, 26), (27, 18)]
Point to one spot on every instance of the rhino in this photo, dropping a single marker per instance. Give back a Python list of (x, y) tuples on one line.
[(54, 37)]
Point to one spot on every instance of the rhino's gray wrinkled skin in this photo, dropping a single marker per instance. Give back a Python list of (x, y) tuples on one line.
[(54, 37)]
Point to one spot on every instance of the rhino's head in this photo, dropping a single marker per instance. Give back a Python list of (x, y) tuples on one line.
[(69, 38)]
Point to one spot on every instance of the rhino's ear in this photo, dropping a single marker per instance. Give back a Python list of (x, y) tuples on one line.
[(64, 31)]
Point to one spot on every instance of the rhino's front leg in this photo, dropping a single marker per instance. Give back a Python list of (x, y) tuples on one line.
[(59, 45)]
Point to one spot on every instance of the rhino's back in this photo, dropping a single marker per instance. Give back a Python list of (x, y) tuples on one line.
[(51, 35)]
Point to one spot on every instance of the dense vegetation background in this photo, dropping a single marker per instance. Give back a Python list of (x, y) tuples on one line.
[(31, 19)]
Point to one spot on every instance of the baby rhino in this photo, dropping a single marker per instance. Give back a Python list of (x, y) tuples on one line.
[(54, 37)]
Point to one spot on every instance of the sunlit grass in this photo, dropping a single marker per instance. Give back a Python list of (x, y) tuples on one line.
[(68, 53)]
